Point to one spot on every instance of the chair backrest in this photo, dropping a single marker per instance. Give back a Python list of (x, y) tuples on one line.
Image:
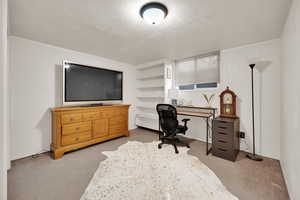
[(167, 118)]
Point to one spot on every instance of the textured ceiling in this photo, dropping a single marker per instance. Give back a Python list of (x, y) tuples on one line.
[(113, 28)]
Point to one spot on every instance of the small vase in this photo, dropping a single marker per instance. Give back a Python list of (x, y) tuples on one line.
[(208, 105)]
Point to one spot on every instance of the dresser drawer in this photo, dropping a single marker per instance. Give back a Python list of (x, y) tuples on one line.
[(222, 134), (223, 124), (118, 129), (90, 116), (223, 153), (225, 144), (107, 114), (123, 113), (71, 118), (76, 138), (224, 131), (76, 128), (118, 120)]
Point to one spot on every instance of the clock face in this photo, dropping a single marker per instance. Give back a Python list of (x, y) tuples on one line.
[(228, 109), (227, 98)]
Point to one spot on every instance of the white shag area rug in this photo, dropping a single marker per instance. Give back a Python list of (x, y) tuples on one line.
[(141, 171)]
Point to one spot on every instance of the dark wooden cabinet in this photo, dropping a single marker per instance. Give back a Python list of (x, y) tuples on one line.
[(225, 138)]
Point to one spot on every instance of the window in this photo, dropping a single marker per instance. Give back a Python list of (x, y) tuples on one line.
[(187, 87), (197, 72), (207, 85)]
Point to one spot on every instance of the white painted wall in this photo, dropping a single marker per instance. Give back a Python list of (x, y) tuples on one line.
[(3, 101), (235, 73), (36, 80), (290, 92)]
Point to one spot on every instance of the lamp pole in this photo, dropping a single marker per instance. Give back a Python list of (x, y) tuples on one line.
[(253, 156)]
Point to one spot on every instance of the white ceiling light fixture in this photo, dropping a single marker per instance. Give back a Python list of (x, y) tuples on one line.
[(154, 12)]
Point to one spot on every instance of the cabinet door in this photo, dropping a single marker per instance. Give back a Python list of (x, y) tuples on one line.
[(100, 128)]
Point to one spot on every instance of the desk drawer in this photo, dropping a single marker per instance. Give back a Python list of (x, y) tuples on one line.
[(76, 138), (76, 128)]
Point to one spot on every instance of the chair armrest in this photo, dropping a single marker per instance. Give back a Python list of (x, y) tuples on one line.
[(185, 121)]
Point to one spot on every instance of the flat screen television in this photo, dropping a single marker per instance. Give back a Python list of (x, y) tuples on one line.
[(87, 84)]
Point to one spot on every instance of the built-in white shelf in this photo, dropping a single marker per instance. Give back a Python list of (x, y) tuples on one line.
[(149, 97), (155, 76), (146, 107), (152, 90), (147, 115), (160, 63), (152, 87), (147, 123)]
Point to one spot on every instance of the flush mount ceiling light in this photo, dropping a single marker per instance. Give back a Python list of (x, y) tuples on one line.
[(154, 13)]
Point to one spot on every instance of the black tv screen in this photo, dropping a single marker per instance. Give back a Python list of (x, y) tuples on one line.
[(85, 83)]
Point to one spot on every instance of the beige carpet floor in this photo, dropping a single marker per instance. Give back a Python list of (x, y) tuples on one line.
[(43, 178)]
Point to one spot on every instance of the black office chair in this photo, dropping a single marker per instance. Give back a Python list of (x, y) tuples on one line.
[(169, 126)]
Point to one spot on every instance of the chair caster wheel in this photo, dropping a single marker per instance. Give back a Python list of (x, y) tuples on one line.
[(177, 152), (188, 146), (159, 146)]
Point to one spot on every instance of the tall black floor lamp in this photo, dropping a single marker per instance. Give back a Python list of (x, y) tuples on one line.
[(253, 156)]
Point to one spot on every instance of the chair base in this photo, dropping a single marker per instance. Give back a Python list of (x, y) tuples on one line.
[(174, 142)]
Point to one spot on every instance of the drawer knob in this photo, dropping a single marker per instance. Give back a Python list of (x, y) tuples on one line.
[(71, 119), (78, 128), (77, 139)]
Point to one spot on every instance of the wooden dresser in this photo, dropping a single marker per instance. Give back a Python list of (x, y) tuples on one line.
[(77, 127), (225, 138)]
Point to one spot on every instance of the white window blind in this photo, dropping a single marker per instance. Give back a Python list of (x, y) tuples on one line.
[(207, 69), (185, 70), (198, 69)]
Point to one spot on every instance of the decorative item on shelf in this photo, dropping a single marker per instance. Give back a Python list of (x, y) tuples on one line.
[(208, 99), (228, 104), (174, 102), (180, 102), (173, 95)]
